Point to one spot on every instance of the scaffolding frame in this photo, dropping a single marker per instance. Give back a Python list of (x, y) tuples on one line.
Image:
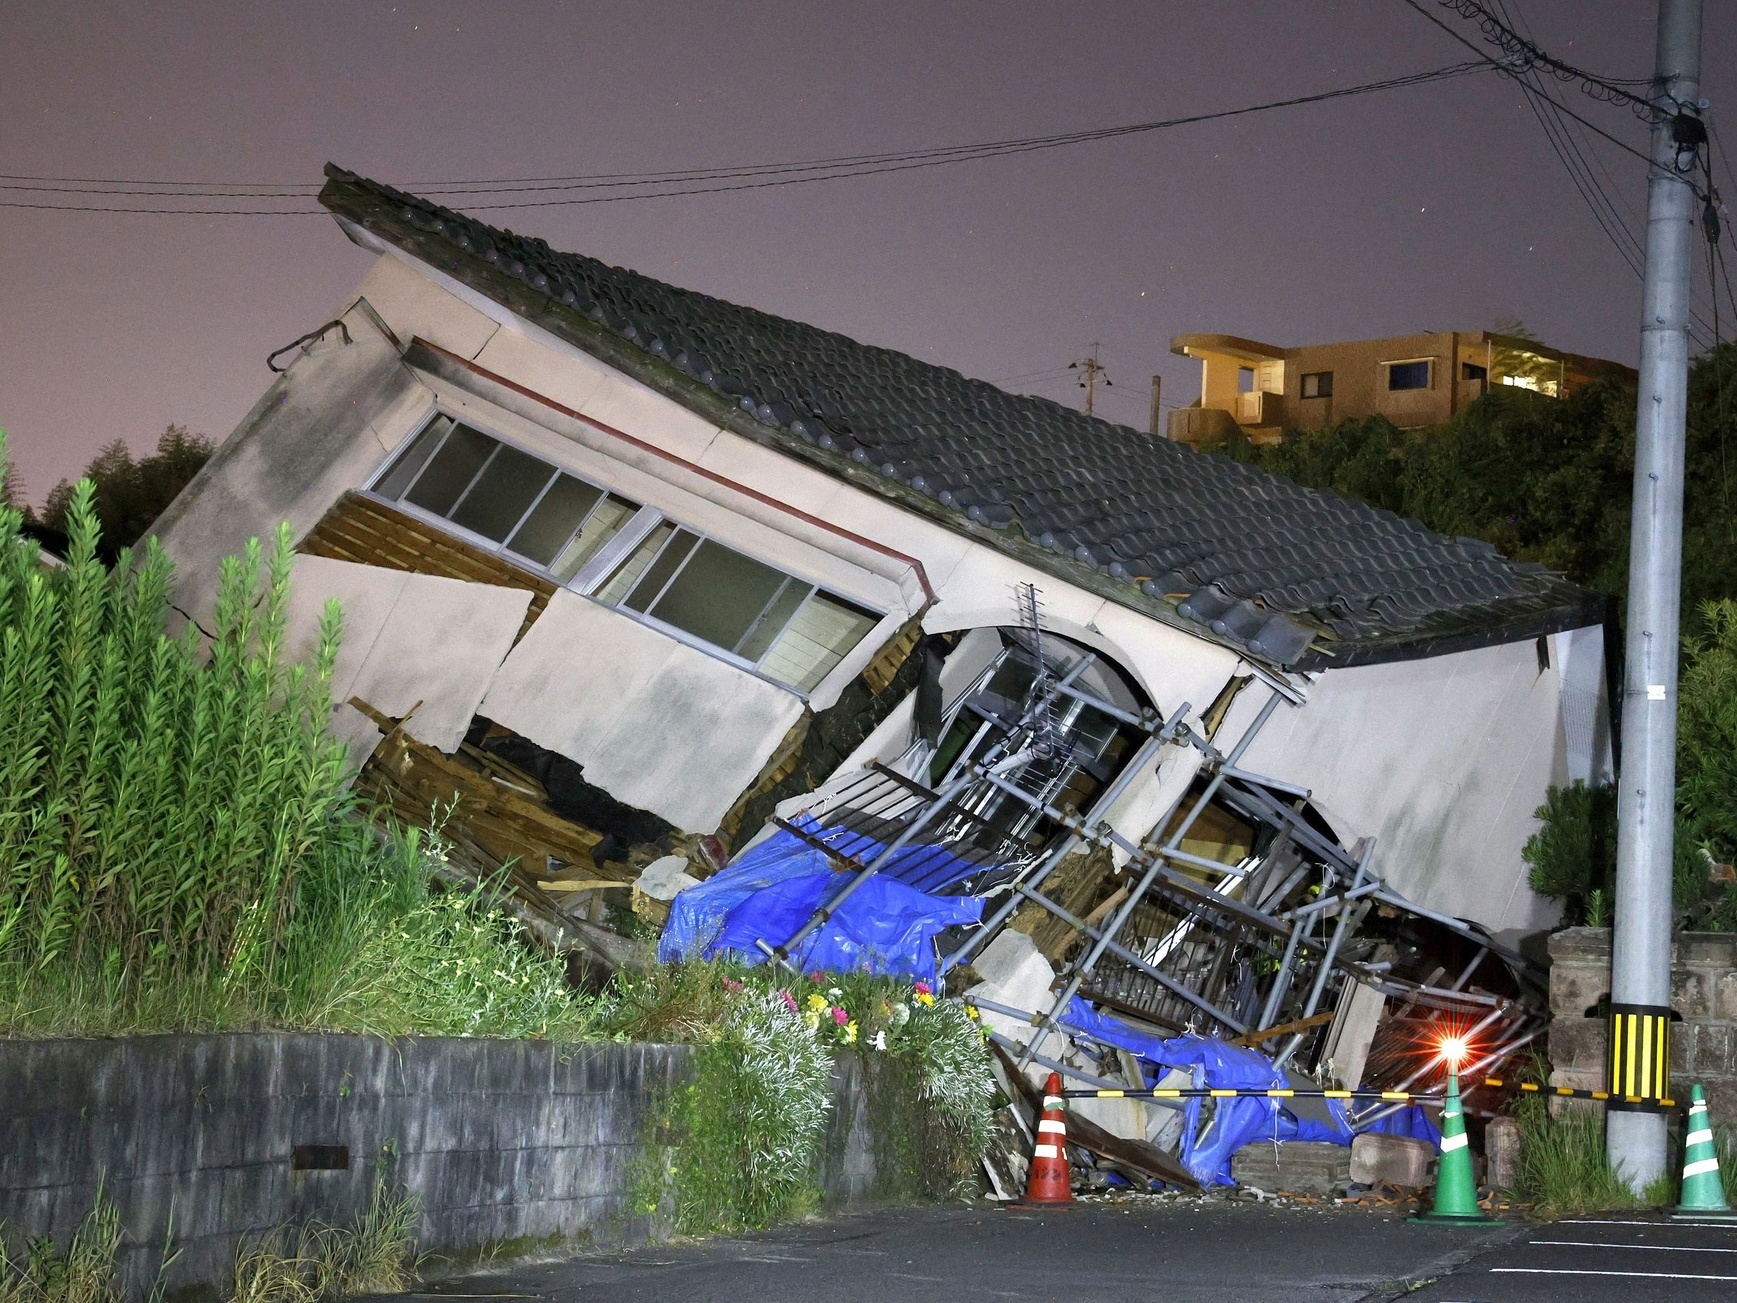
[(1244, 948)]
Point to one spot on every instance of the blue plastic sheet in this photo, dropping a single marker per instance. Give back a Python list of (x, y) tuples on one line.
[(774, 888), (1206, 1152)]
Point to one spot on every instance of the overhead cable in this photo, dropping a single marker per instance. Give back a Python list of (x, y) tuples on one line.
[(716, 180), (1524, 55)]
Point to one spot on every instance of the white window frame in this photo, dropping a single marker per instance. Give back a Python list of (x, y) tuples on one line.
[(595, 572)]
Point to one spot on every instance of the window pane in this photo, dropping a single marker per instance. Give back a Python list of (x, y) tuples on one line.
[(555, 519), (772, 623), (623, 579), (821, 635), (393, 483), (717, 596), (451, 470), (503, 493), (601, 526), (658, 573), (1408, 375)]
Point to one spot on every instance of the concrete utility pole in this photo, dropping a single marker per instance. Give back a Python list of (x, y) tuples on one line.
[(1093, 369), (1640, 976)]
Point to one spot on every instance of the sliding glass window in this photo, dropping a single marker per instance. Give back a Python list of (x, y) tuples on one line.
[(509, 497), (784, 627)]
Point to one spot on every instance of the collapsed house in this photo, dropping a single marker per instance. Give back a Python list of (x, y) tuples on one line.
[(635, 577)]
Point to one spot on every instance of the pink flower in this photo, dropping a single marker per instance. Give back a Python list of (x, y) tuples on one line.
[(789, 1001), (731, 984), (840, 1017), (923, 988)]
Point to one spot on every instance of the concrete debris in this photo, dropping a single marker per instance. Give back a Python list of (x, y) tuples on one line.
[(1396, 1160), (1295, 1167), (1502, 1153)]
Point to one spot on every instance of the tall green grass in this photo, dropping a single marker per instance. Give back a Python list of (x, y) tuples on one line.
[(178, 844)]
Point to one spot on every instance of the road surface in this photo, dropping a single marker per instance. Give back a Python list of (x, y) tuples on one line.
[(1137, 1248)]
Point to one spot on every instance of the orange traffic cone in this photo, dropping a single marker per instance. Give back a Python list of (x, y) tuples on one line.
[(1049, 1182)]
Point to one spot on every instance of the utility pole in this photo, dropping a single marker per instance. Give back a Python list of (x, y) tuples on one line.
[(1093, 369), (1640, 969), (1156, 425)]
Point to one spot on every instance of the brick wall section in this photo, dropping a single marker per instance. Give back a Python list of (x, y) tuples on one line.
[(501, 1141), (1703, 991)]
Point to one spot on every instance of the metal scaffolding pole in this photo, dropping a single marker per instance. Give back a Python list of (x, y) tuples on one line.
[(1121, 916), (1640, 977), (1067, 845)]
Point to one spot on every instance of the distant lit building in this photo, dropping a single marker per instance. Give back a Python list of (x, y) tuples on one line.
[(1261, 390)]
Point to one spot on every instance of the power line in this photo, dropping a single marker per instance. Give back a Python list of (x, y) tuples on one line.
[(1505, 68), (1525, 55), (1546, 108), (677, 184)]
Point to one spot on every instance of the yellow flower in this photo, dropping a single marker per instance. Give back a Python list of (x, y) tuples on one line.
[(850, 1032), (972, 1013), (817, 1002), (924, 998)]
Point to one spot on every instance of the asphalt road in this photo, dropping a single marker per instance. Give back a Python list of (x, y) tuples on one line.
[(1178, 1249), (1618, 1258), (1213, 1251)]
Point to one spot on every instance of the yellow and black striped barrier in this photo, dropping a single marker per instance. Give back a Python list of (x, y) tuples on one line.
[(1640, 1055), (1382, 1096)]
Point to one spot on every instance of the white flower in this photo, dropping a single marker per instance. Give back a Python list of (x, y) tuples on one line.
[(880, 1041)]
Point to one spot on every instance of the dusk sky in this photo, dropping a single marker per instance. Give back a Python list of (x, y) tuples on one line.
[(1435, 207)]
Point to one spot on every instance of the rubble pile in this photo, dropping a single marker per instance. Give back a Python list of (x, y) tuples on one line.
[(1237, 944)]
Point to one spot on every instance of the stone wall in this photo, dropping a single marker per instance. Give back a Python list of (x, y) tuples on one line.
[(506, 1144), (1703, 992)]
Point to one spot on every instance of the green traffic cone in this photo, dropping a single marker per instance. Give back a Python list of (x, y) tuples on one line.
[(1456, 1192), (1703, 1188)]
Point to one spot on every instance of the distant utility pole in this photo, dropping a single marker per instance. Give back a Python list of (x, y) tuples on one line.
[(1156, 426), (1640, 968), (1089, 381)]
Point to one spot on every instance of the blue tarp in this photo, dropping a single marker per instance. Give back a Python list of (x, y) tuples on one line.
[(1235, 1122), (771, 890)]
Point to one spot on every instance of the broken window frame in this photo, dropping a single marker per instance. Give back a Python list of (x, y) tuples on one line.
[(597, 570)]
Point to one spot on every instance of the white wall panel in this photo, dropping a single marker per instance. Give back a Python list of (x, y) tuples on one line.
[(408, 639), (657, 723), (1441, 760)]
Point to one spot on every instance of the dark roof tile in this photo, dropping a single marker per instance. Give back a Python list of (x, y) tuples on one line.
[(1158, 517)]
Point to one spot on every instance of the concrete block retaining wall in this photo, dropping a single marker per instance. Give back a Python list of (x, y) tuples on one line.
[(1703, 992), (501, 1141)]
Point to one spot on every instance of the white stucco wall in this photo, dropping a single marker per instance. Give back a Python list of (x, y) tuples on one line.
[(1442, 761), (409, 640), (657, 723)]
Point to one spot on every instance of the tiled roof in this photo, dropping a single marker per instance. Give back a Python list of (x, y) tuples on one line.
[(1259, 561)]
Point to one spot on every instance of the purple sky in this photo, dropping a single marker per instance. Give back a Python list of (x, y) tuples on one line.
[(1435, 207)]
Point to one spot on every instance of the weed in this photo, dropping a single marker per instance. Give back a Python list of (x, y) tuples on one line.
[(178, 847), (85, 1273), (740, 1146), (374, 1254)]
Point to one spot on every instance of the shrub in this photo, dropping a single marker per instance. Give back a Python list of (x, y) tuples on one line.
[(748, 1129), (178, 846), (745, 1138)]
